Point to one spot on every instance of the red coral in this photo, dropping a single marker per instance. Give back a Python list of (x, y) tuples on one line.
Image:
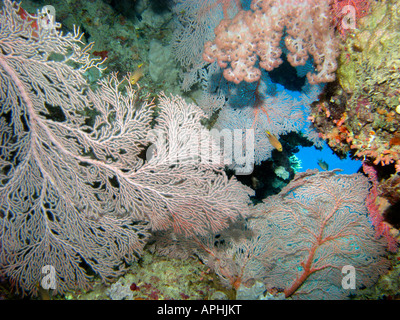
[(134, 287), (361, 7), (24, 15), (382, 229), (184, 296), (340, 10), (103, 54), (154, 295)]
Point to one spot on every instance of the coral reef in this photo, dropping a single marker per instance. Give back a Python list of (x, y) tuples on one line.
[(78, 188), (298, 242), (359, 113), (146, 223), (156, 278)]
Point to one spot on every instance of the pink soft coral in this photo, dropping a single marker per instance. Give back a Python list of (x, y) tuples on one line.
[(255, 35)]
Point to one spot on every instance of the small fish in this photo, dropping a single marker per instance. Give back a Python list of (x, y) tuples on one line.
[(136, 75), (323, 165), (274, 141), (256, 183)]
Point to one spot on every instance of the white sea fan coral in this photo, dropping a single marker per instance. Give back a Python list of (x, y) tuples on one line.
[(76, 192)]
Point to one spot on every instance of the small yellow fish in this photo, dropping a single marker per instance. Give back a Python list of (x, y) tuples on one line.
[(323, 165), (136, 75), (274, 141)]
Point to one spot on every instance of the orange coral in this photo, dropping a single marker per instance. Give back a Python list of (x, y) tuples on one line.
[(395, 141)]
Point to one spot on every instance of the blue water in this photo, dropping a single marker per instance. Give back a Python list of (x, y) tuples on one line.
[(309, 160)]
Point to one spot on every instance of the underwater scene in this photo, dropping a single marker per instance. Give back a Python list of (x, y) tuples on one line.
[(199, 150)]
